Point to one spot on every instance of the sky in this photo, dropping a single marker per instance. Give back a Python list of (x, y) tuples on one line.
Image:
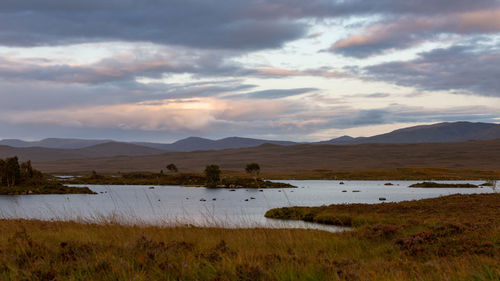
[(149, 70)]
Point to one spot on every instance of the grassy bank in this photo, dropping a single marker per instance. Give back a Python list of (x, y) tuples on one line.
[(448, 230), (52, 188), (450, 238), (184, 179), (430, 184), (388, 174)]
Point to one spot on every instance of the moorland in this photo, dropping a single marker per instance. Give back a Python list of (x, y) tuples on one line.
[(449, 238)]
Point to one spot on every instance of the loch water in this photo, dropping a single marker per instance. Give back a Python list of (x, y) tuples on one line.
[(177, 205)]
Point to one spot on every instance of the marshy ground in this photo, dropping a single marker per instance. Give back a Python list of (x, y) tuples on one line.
[(450, 238)]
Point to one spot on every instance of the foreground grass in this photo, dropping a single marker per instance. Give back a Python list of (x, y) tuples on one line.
[(450, 238)]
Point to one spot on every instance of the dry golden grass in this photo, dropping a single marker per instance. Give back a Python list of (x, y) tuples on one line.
[(404, 241)]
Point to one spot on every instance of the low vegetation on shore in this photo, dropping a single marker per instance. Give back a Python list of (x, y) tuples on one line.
[(183, 179), (450, 238), (430, 184), (213, 177), (22, 179), (451, 230), (388, 174)]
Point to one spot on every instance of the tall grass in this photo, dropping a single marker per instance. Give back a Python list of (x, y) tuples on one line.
[(398, 241)]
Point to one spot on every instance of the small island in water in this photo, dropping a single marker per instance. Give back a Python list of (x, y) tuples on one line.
[(23, 179), (430, 184), (211, 178)]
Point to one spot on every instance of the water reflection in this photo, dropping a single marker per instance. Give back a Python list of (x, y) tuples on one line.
[(242, 208)]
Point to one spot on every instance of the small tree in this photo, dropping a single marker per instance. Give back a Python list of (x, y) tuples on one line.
[(94, 175), (2, 172), (492, 183), (212, 174), (13, 171), (27, 170), (253, 169), (172, 168)]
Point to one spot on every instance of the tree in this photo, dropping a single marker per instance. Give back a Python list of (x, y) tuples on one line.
[(13, 171), (2, 172), (27, 170), (94, 175), (172, 168), (12, 174), (253, 169), (212, 174)]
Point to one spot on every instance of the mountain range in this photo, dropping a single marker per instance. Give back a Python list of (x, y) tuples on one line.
[(60, 148)]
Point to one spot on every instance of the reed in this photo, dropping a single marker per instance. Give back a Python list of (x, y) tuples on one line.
[(450, 238)]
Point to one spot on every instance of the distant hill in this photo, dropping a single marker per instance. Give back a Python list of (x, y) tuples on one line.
[(53, 143), (108, 149), (440, 132), (195, 143), (118, 149)]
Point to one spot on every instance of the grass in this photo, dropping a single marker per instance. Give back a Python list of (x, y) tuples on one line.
[(47, 188), (430, 184), (388, 174), (184, 179), (450, 238), (447, 230)]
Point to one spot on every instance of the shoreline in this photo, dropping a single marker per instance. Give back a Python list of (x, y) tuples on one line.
[(409, 173), (388, 242)]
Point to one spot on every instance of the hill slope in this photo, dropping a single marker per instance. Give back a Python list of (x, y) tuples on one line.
[(108, 149), (440, 132), (196, 143), (480, 155), (59, 143)]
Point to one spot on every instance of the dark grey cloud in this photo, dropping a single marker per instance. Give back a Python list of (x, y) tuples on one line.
[(471, 69), (238, 24), (200, 24)]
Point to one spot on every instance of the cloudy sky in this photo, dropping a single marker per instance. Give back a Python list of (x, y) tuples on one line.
[(152, 70)]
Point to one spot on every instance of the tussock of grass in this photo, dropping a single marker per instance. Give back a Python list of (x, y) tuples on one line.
[(451, 238)]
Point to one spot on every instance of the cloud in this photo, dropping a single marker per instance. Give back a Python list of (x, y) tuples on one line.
[(164, 116), (472, 69), (190, 67), (273, 94), (125, 66), (326, 72), (200, 24), (211, 24), (406, 32)]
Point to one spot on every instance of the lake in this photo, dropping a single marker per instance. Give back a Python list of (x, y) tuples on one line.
[(176, 205)]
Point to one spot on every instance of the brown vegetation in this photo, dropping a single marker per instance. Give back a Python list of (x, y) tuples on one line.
[(185, 179), (451, 238), (299, 159), (22, 179)]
